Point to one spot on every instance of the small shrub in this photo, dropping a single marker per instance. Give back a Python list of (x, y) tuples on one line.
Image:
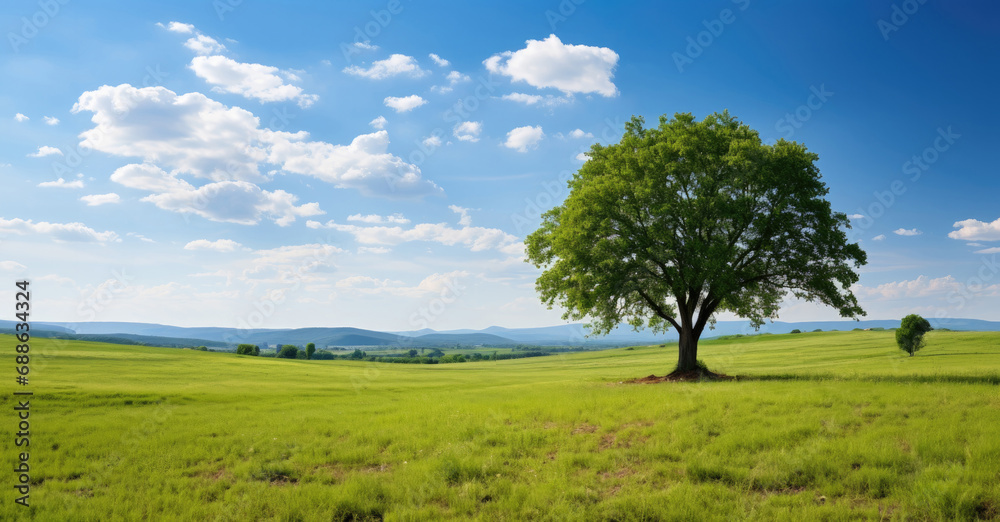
[(796, 331)]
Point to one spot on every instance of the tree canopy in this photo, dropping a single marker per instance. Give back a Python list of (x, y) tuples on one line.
[(910, 334), (676, 223)]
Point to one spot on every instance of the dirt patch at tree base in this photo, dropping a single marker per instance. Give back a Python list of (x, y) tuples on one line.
[(689, 376)]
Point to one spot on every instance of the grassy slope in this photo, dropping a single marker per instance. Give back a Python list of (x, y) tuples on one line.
[(833, 426)]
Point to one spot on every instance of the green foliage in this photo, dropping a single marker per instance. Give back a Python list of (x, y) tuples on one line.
[(910, 334), (288, 352), (796, 331), (310, 350), (681, 221), (248, 349)]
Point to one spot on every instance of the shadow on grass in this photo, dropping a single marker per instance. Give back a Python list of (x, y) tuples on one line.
[(993, 379)]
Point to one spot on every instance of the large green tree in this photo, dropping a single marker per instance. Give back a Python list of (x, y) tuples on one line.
[(679, 222), (910, 334)]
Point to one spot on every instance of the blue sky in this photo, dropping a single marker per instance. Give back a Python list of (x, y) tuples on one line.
[(378, 164)]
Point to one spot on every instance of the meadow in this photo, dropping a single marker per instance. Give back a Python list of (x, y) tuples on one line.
[(819, 426)]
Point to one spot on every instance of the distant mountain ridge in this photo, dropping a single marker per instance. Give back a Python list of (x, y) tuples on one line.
[(560, 335)]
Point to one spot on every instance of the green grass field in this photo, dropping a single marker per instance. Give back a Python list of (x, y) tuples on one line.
[(825, 426)]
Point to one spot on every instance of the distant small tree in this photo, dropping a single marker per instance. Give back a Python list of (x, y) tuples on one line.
[(310, 350), (796, 331), (301, 354), (412, 353), (248, 349), (358, 354), (288, 352), (910, 334)]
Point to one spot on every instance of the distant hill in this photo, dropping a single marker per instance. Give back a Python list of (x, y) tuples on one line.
[(560, 335)]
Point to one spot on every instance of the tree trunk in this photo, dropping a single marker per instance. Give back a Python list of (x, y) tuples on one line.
[(687, 359)]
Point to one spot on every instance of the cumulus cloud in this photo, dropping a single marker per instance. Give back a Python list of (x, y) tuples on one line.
[(395, 65), (192, 134), (535, 99), (219, 245), (475, 238), (95, 200), (250, 80), (922, 286), (178, 27), (51, 120), (578, 133), (59, 231), (434, 284), (377, 219), (45, 150), (239, 202), (879, 237), (62, 183), (523, 138), (404, 104), (432, 141), (454, 78), (204, 45), (465, 219), (367, 46), (441, 62), (907, 232), (582, 157), (856, 216), (21, 118), (975, 230), (468, 130), (378, 123), (551, 63)]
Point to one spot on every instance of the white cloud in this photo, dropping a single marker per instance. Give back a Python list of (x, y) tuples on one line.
[(475, 238), (377, 219), (395, 65), (61, 183), (367, 46), (11, 266), (59, 231), (148, 177), (465, 219), (250, 80), (550, 63), (583, 157), (292, 262), (432, 141), (219, 245), (922, 286), (235, 202), (975, 230), (907, 232), (45, 150), (441, 62), (192, 134), (434, 284), (454, 78), (178, 27), (204, 45), (404, 104), (578, 133), (534, 99), (879, 237), (378, 123), (51, 120), (21, 118), (856, 216), (992, 250), (94, 200), (523, 138), (374, 250), (468, 130), (140, 237)]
